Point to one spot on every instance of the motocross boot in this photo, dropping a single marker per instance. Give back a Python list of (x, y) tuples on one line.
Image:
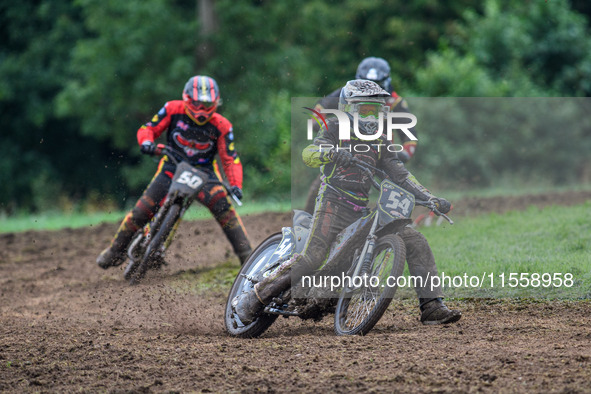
[(114, 255), (243, 256), (434, 311), (249, 304), (110, 258)]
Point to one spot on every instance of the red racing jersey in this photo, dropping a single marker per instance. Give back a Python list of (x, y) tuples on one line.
[(198, 144)]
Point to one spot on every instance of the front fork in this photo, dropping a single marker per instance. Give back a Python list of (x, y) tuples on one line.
[(364, 260), (143, 239), (168, 241)]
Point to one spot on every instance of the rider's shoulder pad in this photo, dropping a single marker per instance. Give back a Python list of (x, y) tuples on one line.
[(221, 123)]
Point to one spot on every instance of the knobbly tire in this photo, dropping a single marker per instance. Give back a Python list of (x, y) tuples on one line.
[(157, 240), (133, 263), (358, 310), (251, 267)]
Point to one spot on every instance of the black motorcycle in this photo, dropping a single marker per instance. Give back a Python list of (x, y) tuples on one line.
[(148, 247), (368, 252)]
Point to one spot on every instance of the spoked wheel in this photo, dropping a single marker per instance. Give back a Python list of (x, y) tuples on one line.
[(134, 272), (252, 268), (360, 308)]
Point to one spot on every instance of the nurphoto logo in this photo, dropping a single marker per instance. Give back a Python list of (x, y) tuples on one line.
[(344, 121)]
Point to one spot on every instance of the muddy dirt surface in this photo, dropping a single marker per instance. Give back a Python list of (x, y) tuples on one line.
[(66, 325)]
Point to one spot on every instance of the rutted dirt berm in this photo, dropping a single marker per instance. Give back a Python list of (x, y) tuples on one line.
[(66, 325)]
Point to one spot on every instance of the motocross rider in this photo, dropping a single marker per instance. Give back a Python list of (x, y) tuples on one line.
[(374, 69), (377, 70), (198, 132), (342, 196)]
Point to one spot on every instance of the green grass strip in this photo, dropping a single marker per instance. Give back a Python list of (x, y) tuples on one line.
[(60, 220), (555, 240)]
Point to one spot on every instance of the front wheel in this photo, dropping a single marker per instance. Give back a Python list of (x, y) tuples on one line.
[(154, 246), (360, 308), (249, 274), (135, 253)]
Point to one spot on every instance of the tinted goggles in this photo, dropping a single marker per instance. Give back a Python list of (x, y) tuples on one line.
[(365, 109)]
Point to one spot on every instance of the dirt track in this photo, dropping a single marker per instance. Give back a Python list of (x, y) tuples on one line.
[(67, 325)]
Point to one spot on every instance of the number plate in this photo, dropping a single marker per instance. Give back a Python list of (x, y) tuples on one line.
[(187, 180), (190, 179), (395, 201)]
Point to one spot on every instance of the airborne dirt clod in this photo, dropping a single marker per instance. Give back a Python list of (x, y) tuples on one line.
[(67, 325)]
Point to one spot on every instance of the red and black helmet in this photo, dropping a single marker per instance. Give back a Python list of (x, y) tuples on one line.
[(202, 97)]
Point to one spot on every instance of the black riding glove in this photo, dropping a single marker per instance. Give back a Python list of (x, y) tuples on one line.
[(148, 148), (236, 191), (441, 204), (342, 158)]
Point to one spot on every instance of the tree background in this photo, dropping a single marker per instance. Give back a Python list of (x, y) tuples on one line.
[(79, 77)]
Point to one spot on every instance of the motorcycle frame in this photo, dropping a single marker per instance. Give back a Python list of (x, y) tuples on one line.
[(384, 219), (179, 192)]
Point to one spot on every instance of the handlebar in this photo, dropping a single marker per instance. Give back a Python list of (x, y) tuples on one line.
[(431, 206), (162, 149), (368, 167)]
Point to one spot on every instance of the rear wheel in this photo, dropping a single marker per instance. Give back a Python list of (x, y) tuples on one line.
[(252, 269), (153, 250), (360, 308)]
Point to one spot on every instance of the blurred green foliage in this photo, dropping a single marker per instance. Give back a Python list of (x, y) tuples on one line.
[(79, 78), (511, 141)]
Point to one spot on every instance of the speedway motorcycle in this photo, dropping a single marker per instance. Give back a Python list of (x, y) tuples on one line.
[(369, 252), (148, 247)]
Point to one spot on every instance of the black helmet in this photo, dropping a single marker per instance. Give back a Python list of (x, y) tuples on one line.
[(365, 98), (375, 69)]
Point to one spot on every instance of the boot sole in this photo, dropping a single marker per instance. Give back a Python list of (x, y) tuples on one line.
[(448, 320)]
